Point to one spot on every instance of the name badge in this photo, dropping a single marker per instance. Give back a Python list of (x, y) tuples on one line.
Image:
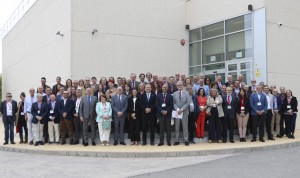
[(192, 104), (242, 108), (76, 110), (229, 107), (39, 112), (22, 113), (51, 111), (258, 103), (201, 107), (214, 105), (163, 105), (288, 107)]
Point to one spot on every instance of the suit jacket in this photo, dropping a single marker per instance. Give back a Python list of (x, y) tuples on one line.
[(182, 103), (59, 98), (219, 88), (148, 104), (55, 112), (271, 101), (137, 106), (66, 108), (43, 112), (74, 110), (4, 111), (293, 104), (18, 114), (210, 101), (87, 108), (174, 88), (229, 112), (45, 99), (280, 99), (253, 103), (196, 111), (136, 85), (246, 105), (101, 111), (168, 102), (118, 106)]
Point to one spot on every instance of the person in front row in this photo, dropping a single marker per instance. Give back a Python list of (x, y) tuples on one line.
[(104, 118), (259, 105), (270, 111), (119, 104), (290, 110), (242, 113), (181, 100), (134, 110), (193, 112), (53, 120), (164, 105), (202, 115), (215, 110), (20, 120), (39, 112)]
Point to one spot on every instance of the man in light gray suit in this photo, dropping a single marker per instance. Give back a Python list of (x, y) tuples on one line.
[(87, 115), (181, 100), (119, 106), (270, 112)]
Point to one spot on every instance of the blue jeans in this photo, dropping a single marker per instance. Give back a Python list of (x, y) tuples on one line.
[(9, 128)]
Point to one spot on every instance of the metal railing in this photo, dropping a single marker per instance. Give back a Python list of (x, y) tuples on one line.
[(21, 10)]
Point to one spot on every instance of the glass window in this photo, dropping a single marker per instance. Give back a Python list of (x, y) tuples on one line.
[(213, 67), (213, 50), (195, 54), (239, 23), (239, 45), (195, 70), (195, 35), (213, 30)]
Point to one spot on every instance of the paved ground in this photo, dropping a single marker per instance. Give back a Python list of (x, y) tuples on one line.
[(275, 163)]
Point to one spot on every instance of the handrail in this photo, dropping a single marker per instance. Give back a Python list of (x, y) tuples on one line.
[(16, 16)]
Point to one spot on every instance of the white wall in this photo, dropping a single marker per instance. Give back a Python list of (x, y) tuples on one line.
[(32, 49), (134, 36)]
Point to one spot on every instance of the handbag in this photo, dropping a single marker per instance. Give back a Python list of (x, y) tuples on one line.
[(106, 124), (208, 113)]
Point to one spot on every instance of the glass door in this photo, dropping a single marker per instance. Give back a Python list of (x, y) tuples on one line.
[(236, 68)]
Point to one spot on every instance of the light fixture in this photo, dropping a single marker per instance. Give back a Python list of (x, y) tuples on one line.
[(60, 34), (94, 31)]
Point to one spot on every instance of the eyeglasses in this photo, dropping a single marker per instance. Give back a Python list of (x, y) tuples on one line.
[(9, 96), (66, 93)]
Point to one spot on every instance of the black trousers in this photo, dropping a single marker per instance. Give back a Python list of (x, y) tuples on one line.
[(269, 115), (191, 125), (227, 122), (148, 118), (134, 128), (282, 129), (258, 121), (77, 128), (45, 132), (214, 125), (287, 123), (165, 125), (22, 123)]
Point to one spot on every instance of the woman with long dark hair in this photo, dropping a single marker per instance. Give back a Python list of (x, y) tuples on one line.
[(242, 113)]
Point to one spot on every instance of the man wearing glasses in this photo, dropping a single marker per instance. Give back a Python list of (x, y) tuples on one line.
[(29, 100), (9, 109)]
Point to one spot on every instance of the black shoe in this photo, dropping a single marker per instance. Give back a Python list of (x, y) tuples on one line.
[(152, 143), (224, 141), (85, 144), (122, 143), (186, 143), (41, 143), (253, 140), (169, 144), (244, 140), (13, 142), (279, 136), (192, 141), (271, 138), (231, 141), (144, 143), (36, 144), (93, 143), (76, 143), (160, 144), (57, 143), (115, 143), (261, 140), (63, 142), (176, 143), (50, 143), (5, 143), (31, 143), (241, 140)]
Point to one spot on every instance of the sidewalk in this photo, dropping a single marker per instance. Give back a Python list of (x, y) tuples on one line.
[(120, 151)]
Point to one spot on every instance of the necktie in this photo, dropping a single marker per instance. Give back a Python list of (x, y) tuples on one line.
[(89, 98), (120, 99), (148, 96), (172, 88), (179, 94), (164, 98), (228, 99), (39, 105)]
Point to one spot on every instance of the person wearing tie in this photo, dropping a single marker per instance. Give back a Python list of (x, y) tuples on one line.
[(39, 112), (9, 109), (258, 105), (182, 101), (87, 115), (281, 98), (29, 100), (46, 99), (133, 83), (119, 104), (164, 105), (53, 120), (270, 111), (229, 109), (148, 100)]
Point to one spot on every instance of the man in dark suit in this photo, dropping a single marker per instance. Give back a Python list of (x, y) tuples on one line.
[(9, 108), (133, 83), (43, 82), (46, 99), (164, 105), (172, 86), (280, 100), (77, 122), (66, 107), (58, 81), (259, 105), (193, 113), (119, 104), (148, 100), (39, 112), (53, 120), (229, 107), (219, 84)]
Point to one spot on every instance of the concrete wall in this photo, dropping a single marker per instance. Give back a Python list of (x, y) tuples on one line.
[(134, 36), (32, 49)]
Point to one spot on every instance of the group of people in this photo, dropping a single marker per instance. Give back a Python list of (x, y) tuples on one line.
[(50, 115)]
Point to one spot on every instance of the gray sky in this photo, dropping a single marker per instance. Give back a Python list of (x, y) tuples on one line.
[(7, 7)]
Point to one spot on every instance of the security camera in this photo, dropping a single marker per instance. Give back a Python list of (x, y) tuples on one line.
[(280, 24), (58, 33), (94, 31)]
